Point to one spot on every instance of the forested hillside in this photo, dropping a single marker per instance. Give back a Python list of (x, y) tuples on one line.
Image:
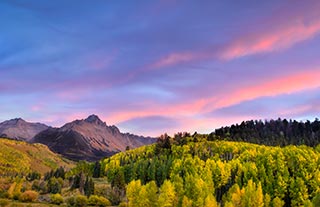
[(184, 171), (18, 157), (196, 172), (274, 132)]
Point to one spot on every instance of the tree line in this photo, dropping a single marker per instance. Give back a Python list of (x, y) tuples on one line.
[(280, 132)]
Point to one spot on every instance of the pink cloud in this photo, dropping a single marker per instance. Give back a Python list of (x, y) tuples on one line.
[(172, 110), (292, 30), (278, 39), (283, 30), (187, 113), (175, 58), (308, 79)]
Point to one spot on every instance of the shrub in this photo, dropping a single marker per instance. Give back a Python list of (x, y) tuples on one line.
[(95, 200), (4, 194), (56, 199), (81, 201), (4, 202), (123, 204), (71, 201), (28, 196), (16, 196), (54, 185), (77, 201), (316, 198), (36, 185)]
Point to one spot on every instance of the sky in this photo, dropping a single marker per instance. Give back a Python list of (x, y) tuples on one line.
[(151, 67)]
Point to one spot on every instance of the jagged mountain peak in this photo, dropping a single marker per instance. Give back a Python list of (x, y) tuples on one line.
[(18, 119), (94, 119), (85, 123), (14, 121)]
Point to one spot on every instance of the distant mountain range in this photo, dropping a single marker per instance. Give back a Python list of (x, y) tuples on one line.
[(19, 129), (87, 139)]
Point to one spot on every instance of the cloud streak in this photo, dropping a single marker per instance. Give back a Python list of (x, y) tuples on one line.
[(276, 40), (273, 39)]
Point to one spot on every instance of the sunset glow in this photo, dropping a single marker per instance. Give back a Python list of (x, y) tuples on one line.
[(151, 67)]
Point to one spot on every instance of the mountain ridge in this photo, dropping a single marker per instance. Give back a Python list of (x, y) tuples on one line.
[(19, 129), (89, 139), (82, 139)]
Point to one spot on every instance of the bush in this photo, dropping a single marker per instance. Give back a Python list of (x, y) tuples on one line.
[(77, 201), (81, 201), (56, 199), (4, 194), (16, 196), (71, 201), (95, 200), (28, 196), (123, 204), (36, 185), (54, 185), (4, 202)]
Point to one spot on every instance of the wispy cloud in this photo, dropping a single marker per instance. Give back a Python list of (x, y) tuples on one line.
[(271, 41), (275, 38), (291, 83)]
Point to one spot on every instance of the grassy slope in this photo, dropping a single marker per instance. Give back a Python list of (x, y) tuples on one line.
[(22, 157)]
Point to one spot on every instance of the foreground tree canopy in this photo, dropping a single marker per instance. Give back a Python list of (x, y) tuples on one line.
[(196, 172)]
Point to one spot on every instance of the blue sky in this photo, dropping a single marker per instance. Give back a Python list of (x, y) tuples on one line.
[(151, 67)]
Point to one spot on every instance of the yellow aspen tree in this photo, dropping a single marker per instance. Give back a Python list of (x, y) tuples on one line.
[(167, 197), (210, 201), (133, 190), (186, 202)]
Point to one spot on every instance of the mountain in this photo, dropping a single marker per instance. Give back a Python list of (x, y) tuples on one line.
[(89, 139), (18, 157), (19, 129)]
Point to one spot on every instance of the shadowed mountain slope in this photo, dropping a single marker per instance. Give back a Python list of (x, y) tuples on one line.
[(89, 139)]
